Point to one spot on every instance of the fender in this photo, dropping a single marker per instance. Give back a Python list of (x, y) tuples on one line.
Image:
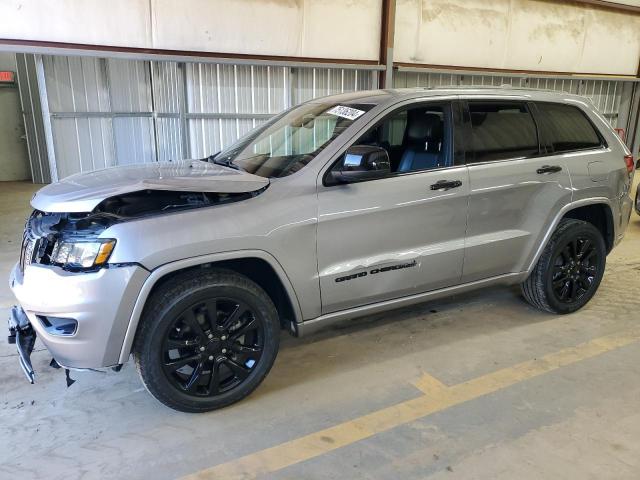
[(168, 268), (568, 207)]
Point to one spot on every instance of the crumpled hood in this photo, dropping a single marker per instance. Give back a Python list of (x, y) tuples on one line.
[(84, 191)]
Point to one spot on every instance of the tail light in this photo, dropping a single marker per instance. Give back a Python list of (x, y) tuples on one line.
[(628, 160)]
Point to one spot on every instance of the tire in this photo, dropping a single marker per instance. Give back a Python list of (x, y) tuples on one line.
[(550, 286), (206, 339)]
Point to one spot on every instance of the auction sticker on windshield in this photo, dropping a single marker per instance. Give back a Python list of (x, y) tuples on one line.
[(345, 112)]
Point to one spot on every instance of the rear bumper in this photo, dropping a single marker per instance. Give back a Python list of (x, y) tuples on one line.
[(100, 302), (626, 207)]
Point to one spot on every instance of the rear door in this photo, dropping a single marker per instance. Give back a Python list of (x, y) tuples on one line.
[(400, 235), (515, 188)]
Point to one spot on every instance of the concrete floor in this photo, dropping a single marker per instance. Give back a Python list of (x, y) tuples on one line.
[(564, 413)]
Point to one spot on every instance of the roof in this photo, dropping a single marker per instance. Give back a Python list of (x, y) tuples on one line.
[(394, 95)]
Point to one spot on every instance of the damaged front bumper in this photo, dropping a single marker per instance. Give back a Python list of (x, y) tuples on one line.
[(22, 334), (81, 318)]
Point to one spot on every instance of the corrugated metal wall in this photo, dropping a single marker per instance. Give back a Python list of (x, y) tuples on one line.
[(605, 94), (105, 112), (108, 112), (33, 120)]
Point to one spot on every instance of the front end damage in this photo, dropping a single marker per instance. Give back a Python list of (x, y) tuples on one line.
[(80, 311), (22, 334), (45, 233)]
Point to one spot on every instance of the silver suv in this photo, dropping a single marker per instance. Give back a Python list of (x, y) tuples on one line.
[(337, 208)]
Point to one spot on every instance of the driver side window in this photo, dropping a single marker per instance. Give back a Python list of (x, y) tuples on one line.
[(416, 138)]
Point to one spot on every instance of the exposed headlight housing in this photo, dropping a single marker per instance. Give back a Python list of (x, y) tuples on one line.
[(82, 254)]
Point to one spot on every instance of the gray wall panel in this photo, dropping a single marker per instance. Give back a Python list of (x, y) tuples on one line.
[(110, 112), (134, 140), (204, 137), (33, 120), (76, 84), (129, 85), (169, 139), (167, 87)]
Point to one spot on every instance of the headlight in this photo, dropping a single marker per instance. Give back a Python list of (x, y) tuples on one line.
[(82, 254)]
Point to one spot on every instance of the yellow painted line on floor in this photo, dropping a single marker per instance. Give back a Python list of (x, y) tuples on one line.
[(429, 385), (438, 397)]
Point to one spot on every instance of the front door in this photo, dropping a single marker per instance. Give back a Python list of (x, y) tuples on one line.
[(403, 234)]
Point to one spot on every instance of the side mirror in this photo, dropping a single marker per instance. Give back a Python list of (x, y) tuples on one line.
[(362, 162)]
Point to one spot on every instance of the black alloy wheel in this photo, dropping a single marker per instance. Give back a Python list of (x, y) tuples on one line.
[(207, 339), (569, 269), (574, 270), (212, 346)]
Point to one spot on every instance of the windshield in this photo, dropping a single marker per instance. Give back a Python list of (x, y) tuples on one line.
[(288, 142)]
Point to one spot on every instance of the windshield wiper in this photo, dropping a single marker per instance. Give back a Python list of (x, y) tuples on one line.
[(210, 158), (225, 162)]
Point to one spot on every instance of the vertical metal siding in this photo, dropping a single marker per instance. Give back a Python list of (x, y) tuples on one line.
[(605, 94), (169, 139), (312, 83), (33, 120), (77, 89), (134, 140), (166, 87), (106, 112), (112, 112), (129, 85), (76, 84)]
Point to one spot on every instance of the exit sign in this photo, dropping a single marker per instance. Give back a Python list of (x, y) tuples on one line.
[(7, 77)]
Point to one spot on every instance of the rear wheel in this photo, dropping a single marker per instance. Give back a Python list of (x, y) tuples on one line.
[(569, 270), (206, 340)]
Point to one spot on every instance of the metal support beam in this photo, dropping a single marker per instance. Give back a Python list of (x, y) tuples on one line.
[(387, 33), (46, 117), (160, 55), (182, 106)]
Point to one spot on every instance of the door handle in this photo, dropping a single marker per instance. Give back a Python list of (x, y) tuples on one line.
[(548, 169), (446, 185)]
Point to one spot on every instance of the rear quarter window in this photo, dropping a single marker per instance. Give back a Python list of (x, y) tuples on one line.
[(569, 128)]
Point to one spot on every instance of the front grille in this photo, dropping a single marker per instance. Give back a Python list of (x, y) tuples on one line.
[(28, 247)]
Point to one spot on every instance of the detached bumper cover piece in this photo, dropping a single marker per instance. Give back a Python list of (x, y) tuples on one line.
[(24, 336)]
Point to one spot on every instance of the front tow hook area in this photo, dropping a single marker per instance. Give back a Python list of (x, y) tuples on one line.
[(24, 336)]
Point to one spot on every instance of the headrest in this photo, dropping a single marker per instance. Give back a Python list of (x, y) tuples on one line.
[(423, 126)]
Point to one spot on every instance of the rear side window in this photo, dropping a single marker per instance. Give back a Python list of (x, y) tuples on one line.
[(569, 127), (501, 131)]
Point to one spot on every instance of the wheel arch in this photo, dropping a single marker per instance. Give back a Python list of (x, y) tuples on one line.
[(600, 216), (257, 265), (598, 211)]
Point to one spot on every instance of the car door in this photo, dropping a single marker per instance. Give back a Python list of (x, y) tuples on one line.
[(402, 234), (515, 190)]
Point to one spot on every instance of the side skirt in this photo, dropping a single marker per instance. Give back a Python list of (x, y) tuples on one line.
[(311, 326)]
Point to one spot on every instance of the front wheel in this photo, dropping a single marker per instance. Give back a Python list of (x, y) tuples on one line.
[(206, 340), (569, 270)]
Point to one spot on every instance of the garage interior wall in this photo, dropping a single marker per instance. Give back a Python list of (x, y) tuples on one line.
[(611, 97), (540, 35), (91, 109), (292, 28), (103, 112), (14, 159)]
